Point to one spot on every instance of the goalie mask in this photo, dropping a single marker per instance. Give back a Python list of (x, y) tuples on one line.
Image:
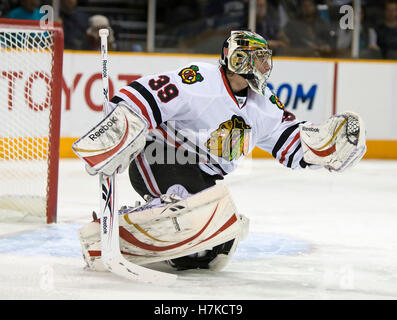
[(246, 53)]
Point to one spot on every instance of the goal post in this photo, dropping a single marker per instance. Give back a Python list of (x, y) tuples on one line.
[(31, 54)]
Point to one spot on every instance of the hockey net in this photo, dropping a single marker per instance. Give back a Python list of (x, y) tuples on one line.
[(30, 102)]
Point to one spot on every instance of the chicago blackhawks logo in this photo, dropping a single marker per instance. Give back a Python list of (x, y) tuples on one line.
[(274, 99), (191, 75), (230, 140)]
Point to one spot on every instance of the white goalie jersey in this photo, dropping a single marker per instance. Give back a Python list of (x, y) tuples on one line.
[(194, 109)]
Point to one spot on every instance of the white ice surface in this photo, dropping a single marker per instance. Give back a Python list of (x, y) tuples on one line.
[(313, 235)]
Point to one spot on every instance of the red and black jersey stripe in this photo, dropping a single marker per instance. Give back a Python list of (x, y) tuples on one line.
[(291, 157), (283, 139), (116, 100), (287, 133), (149, 99), (147, 96)]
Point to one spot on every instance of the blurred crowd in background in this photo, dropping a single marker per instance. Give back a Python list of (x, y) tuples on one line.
[(303, 28)]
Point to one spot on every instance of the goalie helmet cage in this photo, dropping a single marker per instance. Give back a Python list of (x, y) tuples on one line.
[(31, 54)]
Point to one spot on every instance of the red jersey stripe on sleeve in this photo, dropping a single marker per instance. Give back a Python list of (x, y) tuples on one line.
[(140, 105), (284, 153)]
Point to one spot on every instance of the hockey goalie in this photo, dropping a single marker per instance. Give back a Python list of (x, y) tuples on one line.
[(180, 132)]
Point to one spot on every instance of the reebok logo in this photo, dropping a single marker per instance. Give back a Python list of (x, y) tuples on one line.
[(105, 225), (104, 68), (310, 129), (103, 128)]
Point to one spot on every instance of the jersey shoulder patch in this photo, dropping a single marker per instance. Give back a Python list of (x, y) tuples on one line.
[(275, 100), (191, 75)]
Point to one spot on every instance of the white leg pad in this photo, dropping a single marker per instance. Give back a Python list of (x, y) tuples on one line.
[(188, 226)]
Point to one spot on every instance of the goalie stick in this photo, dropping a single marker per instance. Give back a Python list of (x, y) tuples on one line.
[(110, 246)]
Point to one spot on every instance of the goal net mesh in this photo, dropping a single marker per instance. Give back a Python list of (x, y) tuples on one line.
[(26, 77)]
